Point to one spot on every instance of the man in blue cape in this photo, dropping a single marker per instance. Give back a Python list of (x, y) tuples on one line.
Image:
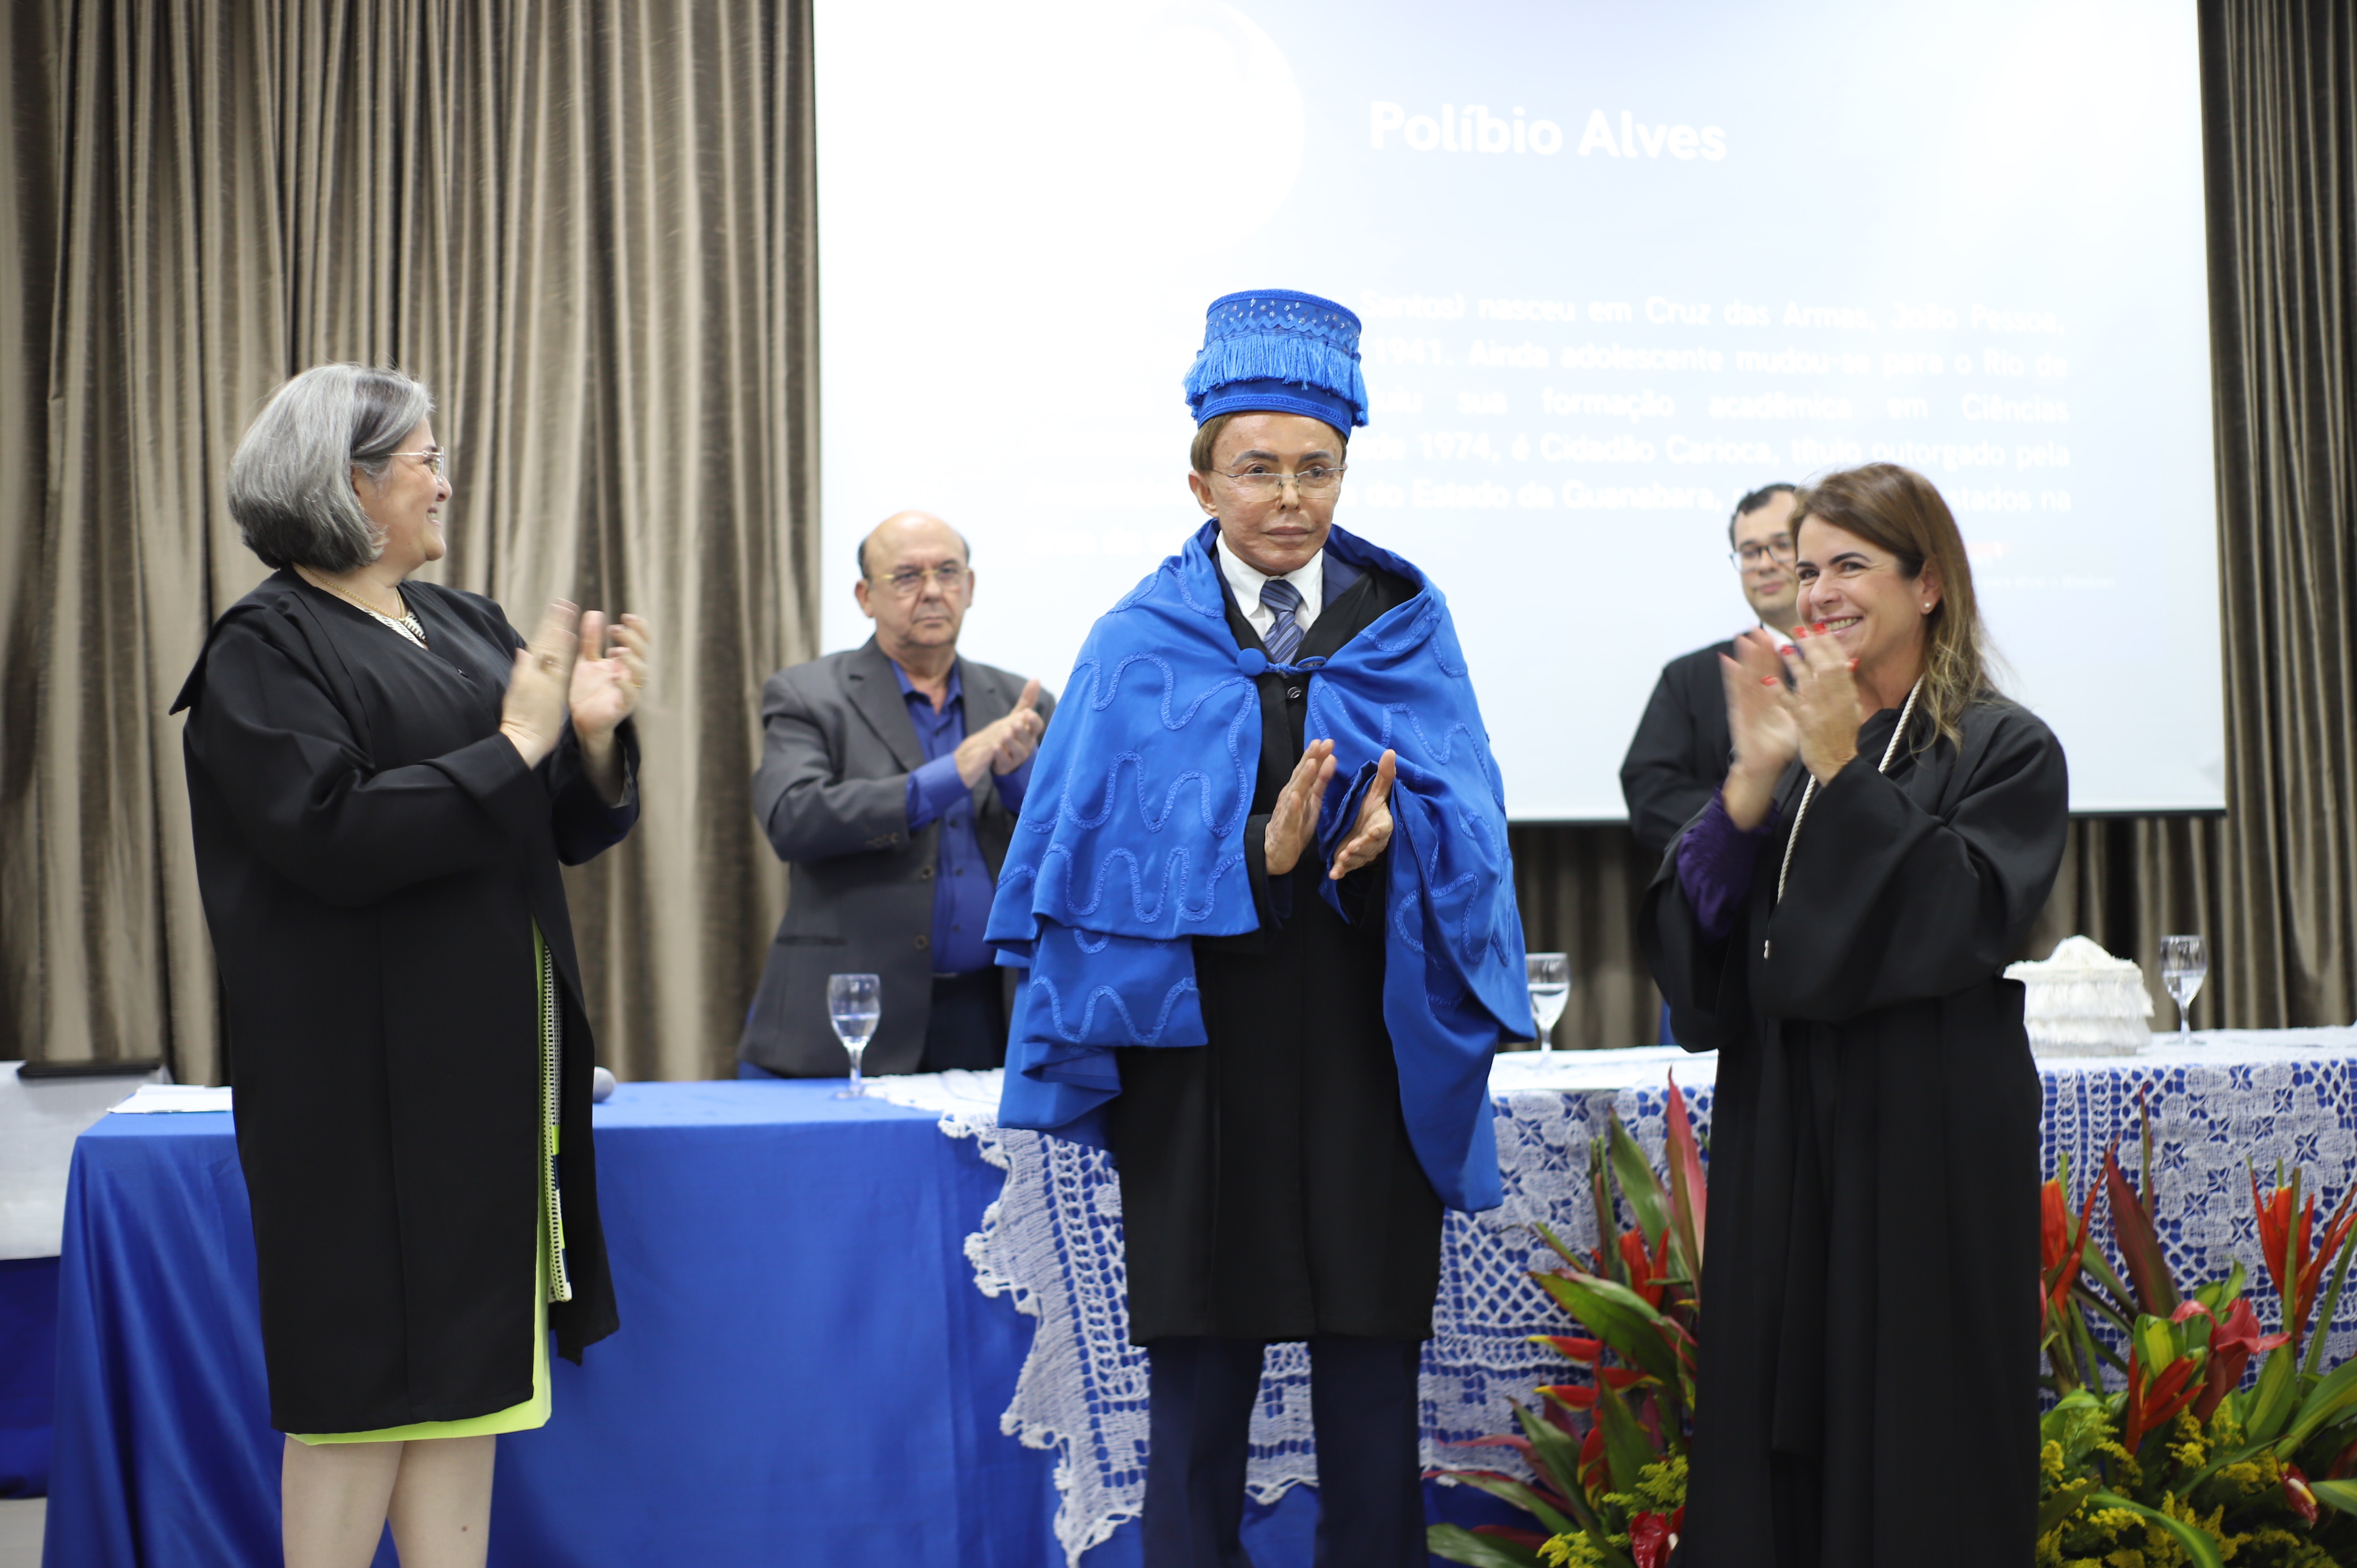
[(1262, 895)]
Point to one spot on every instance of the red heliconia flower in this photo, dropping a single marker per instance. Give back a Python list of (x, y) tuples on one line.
[(2296, 1493), (1646, 1271), (2232, 1345), (2154, 1407), (2284, 1237), (2054, 1230), (2063, 1246), (1582, 1396), (1653, 1537), (2273, 1214), (1591, 1454), (1575, 1349)]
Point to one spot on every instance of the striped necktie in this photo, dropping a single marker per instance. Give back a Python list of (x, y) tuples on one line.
[(1284, 636)]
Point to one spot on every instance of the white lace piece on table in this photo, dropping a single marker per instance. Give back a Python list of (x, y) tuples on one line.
[(1052, 1241)]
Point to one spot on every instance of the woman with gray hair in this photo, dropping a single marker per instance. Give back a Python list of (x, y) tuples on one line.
[(383, 778)]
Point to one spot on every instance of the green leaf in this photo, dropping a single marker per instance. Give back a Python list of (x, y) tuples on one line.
[(1626, 1450), (2099, 1268), (1608, 1223), (2335, 1394), (2331, 1301), (1508, 1491), (2161, 1342), (2341, 1494), (2200, 1544), (1461, 1545), (1555, 1243), (2139, 1244), (1558, 1453), (2061, 1504), (1618, 1317), (2219, 1295), (2271, 1400), (1638, 1183)]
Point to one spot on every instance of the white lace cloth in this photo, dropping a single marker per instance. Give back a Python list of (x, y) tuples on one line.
[(1053, 1238)]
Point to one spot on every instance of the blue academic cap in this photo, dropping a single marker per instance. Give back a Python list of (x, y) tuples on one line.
[(1273, 351)]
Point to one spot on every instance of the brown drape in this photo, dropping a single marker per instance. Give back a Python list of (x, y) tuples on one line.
[(590, 228)]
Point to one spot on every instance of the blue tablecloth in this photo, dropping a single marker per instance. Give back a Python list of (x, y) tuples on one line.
[(805, 1373)]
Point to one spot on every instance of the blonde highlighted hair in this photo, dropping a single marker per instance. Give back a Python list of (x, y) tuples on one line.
[(1898, 510)]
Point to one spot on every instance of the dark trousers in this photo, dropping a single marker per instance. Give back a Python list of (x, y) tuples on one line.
[(1364, 1412), (967, 1025)]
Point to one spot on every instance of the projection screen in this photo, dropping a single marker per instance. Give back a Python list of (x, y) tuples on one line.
[(1617, 263)]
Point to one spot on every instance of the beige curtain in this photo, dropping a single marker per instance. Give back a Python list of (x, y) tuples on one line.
[(588, 228)]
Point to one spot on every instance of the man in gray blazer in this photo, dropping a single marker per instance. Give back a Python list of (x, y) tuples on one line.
[(891, 779)]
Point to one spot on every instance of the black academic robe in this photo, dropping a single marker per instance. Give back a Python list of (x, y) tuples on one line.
[(1268, 1187), (1679, 754), (1868, 1329), (372, 856)]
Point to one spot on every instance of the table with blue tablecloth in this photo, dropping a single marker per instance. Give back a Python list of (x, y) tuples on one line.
[(805, 1376), (848, 1339)]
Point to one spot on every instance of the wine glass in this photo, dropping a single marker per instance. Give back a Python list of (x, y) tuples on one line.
[(1550, 981), (853, 1002), (2184, 964)]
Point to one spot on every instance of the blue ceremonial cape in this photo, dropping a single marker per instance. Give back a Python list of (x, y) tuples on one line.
[(1131, 844)]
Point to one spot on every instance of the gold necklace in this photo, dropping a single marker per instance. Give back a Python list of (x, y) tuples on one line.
[(401, 605), (404, 622)]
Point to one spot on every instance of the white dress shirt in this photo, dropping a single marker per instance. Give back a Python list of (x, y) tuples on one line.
[(1246, 582)]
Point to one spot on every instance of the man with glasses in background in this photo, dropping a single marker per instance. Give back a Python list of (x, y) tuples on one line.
[(1680, 753), (890, 779)]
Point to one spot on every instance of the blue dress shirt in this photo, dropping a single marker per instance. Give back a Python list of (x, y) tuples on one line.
[(962, 883)]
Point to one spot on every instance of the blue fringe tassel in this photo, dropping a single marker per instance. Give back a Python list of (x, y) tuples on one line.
[(1277, 355)]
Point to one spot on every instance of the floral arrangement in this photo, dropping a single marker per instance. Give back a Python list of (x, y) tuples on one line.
[(2154, 1454), (1608, 1453)]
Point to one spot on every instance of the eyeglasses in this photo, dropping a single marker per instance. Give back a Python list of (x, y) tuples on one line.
[(1260, 482), (1781, 550), (437, 461), (950, 576)]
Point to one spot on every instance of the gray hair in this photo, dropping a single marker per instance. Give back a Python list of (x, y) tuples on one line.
[(290, 484)]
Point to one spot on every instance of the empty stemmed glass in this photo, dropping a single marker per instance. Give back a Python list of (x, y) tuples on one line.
[(1550, 981), (2184, 964), (853, 1002)]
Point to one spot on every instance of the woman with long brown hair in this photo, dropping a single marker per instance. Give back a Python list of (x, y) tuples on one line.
[(1835, 923)]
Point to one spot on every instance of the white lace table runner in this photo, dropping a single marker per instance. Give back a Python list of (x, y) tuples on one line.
[(1053, 1238)]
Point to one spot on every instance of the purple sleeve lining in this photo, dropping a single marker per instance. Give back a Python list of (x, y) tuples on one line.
[(1717, 861)]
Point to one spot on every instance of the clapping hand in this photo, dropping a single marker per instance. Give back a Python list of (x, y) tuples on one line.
[(1373, 832), (1815, 718), (607, 682), (1292, 821), (1827, 712), (533, 715), (1004, 745)]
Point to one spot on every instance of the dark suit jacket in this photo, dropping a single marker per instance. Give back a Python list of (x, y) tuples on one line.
[(1681, 751), (832, 796)]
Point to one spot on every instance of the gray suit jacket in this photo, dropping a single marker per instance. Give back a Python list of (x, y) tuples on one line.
[(832, 796)]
